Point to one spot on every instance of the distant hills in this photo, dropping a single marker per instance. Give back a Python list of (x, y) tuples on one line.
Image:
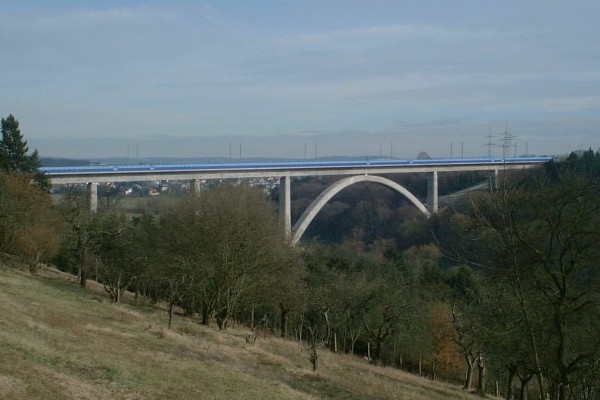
[(63, 162)]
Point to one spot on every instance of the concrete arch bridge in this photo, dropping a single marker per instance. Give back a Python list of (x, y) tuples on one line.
[(352, 172)]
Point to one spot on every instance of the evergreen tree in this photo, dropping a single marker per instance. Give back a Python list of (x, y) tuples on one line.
[(13, 153)]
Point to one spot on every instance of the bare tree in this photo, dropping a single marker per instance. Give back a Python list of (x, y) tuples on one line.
[(542, 238), (226, 238)]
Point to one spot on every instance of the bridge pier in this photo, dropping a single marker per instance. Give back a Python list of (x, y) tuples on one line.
[(194, 185), (92, 196), (496, 180), (285, 207), (432, 192)]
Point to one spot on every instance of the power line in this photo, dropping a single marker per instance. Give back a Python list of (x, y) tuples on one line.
[(507, 142), (489, 142)]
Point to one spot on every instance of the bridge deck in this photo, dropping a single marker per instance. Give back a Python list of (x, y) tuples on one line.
[(122, 173)]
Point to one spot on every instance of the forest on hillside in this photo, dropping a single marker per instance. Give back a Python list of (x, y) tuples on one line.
[(500, 289)]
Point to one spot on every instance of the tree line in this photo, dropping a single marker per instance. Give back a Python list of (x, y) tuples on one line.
[(501, 287)]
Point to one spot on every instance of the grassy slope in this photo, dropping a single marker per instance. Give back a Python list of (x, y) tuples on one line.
[(58, 341)]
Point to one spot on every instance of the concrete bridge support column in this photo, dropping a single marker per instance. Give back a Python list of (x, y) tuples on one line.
[(432, 192), (285, 207), (92, 195), (495, 180), (194, 186)]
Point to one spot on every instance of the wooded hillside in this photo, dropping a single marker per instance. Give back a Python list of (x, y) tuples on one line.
[(499, 292)]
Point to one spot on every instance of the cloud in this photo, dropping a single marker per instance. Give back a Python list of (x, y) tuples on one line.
[(107, 39), (395, 32), (184, 70), (569, 104)]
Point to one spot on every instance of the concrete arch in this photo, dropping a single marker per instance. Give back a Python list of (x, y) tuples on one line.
[(312, 210)]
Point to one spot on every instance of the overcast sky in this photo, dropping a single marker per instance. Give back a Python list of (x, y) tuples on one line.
[(291, 78)]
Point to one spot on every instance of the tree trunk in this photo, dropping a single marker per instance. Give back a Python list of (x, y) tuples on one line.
[(205, 316), (314, 357), (481, 381), (222, 320), (394, 353), (82, 278), (171, 306), (562, 391), (328, 325), (335, 342), (523, 389), (118, 291), (512, 370), (518, 289), (469, 373), (378, 343), (300, 329), (283, 322), (561, 350), (352, 343)]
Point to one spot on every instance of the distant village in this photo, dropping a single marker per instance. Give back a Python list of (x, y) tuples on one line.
[(164, 187)]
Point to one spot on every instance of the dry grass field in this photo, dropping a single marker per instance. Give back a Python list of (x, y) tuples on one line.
[(58, 341)]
